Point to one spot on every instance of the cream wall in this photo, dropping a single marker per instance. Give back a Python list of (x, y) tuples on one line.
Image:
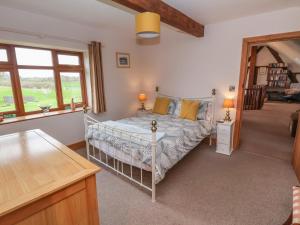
[(264, 58), (180, 65), (121, 85), (186, 66)]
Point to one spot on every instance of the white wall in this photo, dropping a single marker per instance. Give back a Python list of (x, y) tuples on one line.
[(67, 128), (121, 85), (186, 66), (264, 58)]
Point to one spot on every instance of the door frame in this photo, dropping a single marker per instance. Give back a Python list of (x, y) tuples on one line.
[(247, 42)]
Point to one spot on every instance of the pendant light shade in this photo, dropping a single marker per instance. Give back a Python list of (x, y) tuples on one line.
[(147, 25)]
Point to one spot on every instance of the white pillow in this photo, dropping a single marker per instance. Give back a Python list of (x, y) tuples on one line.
[(178, 108), (172, 106), (205, 111), (173, 103)]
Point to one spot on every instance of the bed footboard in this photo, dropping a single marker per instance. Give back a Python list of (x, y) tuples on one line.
[(94, 152)]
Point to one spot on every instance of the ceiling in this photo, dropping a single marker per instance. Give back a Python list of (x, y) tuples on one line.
[(97, 14), (289, 52), (213, 11), (86, 12)]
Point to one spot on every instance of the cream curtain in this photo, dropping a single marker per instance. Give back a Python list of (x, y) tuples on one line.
[(97, 83)]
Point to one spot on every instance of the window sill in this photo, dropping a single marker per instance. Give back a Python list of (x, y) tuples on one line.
[(38, 116)]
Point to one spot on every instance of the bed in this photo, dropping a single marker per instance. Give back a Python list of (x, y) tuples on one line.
[(151, 142)]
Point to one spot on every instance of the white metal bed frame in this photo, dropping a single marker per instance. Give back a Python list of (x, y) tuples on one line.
[(91, 150)]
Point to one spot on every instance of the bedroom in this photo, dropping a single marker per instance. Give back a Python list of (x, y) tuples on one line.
[(180, 65)]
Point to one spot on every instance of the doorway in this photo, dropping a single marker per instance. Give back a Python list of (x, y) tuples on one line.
[(248, 43)]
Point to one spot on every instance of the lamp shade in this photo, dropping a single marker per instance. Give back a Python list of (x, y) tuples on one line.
[(147, 25), (142, 97), (228, 103)]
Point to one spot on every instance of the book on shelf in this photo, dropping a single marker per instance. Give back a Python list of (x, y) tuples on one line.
[(278, 75), (278, 65)]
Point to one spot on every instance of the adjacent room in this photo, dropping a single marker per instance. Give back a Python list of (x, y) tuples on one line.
[(272, 94), (161, 112)]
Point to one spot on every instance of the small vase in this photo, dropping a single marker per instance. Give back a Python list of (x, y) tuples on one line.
[(72, 105)]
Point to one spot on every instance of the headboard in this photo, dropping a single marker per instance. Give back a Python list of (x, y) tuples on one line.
[(211, 99)]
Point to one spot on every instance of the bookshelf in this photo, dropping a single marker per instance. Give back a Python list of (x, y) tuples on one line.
[(278, 75)]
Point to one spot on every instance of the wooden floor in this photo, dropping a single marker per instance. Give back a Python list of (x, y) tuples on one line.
[(266, 132)]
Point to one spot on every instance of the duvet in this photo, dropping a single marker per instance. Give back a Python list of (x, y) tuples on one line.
[(177, 137)]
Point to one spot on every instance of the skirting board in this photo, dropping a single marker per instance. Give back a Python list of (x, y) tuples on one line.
[(78, 145)]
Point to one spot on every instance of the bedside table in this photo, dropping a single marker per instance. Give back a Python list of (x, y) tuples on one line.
[(143, 112), (224, 137)]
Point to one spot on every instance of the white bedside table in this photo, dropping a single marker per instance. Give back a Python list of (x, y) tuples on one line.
[(224, 137), (143, 112)]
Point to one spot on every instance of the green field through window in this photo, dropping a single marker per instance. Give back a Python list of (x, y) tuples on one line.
[(6, 94), (38, 89), (71, 88)]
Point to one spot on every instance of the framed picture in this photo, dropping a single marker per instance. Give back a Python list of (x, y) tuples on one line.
[(123, 60), (262, 70)]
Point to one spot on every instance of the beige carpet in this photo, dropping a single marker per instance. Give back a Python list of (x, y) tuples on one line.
[(266, 131), (207, 188)]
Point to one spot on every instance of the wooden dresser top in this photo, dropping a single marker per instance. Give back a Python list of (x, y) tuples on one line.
[(34, 165)]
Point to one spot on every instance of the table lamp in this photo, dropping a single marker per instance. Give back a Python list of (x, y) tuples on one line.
[(227, 104), (142, 98)]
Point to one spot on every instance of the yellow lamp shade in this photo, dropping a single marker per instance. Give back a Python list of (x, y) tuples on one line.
[(147, 25), (228, 103), (142, 97)]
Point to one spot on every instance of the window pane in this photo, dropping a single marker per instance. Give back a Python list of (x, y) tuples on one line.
[(6, 94), (33, 57), (71, 86), (38, 89), (68, 60), (3, 55)]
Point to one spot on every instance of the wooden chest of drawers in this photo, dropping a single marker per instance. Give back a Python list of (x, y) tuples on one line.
[(42, 182)]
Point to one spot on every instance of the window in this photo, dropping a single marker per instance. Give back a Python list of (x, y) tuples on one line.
[(68, 60), (39, 77), (7, 102), (33, 57), (3, 55), (71, 86)]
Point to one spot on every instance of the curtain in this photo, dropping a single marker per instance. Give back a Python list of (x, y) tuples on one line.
[(97, 83)]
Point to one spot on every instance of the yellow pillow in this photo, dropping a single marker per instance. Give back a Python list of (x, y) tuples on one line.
[(161, 105), (189, 109)]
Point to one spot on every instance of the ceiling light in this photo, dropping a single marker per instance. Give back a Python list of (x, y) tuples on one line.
[(147, 25)]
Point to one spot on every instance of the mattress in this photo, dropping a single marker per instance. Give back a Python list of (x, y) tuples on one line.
[(180, 137)]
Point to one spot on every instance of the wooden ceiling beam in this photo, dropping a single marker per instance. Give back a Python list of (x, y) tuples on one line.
[(258, 50), (168, 14), (275, 54)]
